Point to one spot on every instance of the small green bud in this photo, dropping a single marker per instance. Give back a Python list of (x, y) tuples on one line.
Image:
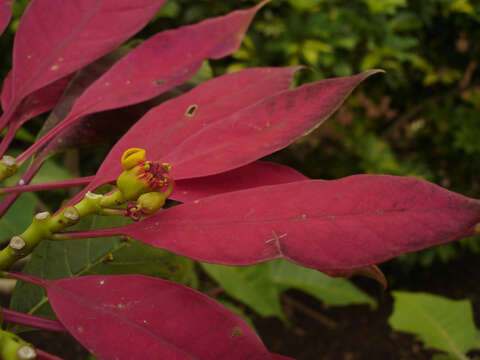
[(150, 202)]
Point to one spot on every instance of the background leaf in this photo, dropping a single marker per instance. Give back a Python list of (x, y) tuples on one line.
[(251, 285), (259, 286), (440, 323), (331, 291)]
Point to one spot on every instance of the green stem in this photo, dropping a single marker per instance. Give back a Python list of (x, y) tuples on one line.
[(14, 348), (44, 226)]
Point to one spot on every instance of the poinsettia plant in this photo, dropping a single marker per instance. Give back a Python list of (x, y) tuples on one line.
[(201, 149)]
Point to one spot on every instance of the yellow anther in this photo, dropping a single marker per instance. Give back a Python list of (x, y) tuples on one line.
[(131, 157), (167, 165)]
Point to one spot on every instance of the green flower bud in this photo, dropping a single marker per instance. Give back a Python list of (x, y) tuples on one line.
[(150, 202), (141, 176)]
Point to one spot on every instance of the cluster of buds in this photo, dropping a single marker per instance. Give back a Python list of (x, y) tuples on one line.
[(146, 184)]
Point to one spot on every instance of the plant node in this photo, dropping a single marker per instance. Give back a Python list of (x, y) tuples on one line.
[(8, 167), (17, 243), (26, 352)]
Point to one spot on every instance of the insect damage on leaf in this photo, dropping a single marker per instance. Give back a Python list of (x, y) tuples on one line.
[(191, 110), (235, 332)]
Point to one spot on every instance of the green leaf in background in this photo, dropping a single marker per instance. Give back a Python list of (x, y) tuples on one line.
[(440, 323), (21, 213), (66, 259), (18, 217), (385, 6), (259, 286), (251, 285), (332, 291)]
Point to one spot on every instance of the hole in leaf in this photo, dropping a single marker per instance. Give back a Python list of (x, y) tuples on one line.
[(159, 82), (235, 332), (191, 110)]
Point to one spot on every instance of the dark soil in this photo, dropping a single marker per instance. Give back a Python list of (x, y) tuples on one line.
[(316, 332)]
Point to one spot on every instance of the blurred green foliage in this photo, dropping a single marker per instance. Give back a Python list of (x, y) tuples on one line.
[(422, 118)]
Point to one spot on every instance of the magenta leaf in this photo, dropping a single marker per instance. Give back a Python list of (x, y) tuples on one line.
[(138, 317), (259, 173), (34, 104), (54, 38), (341, 224), (162, 62), (167, 125), (261, 129), (5, 14)]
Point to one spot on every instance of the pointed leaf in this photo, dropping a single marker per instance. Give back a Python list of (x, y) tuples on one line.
[(332, 291), (54, 38), (162, 62), (441, 323), (261, 129), (5, 14), (210, 101), (139, 317), (328, 225), (259, 173)]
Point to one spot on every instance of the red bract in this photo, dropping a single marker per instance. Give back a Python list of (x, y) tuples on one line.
[(34, 104), (160, 63), (230, 121), (259, 173), (138, 317), (341, 224), (5, 14), (54, 39), (164, 127)]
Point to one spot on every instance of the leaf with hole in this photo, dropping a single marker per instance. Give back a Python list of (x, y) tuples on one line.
[(164, 127), (160, 63)]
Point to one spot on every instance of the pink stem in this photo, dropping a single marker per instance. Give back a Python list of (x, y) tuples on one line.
[(9, 136), (48, 186), (32, 321), (43, 141), (88, 234), (5, 118), (42, 355), (32, 279)]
